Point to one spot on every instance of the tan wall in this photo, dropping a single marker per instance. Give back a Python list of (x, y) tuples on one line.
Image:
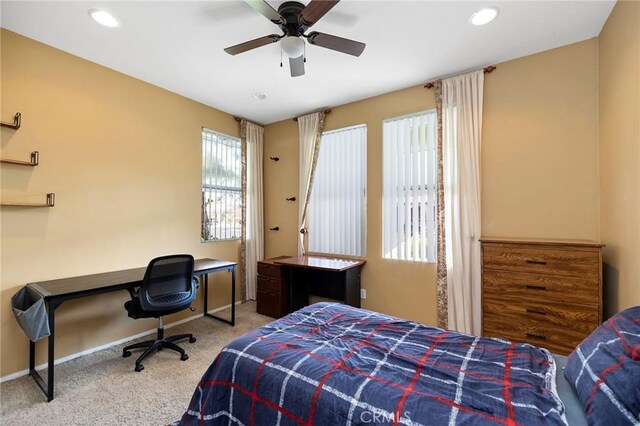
[(619, 96), (124, 159), (540, 145), (540, 167)]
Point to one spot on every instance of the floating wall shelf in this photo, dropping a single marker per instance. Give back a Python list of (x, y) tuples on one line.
[(50, 202), (16, 122), (33, 161)]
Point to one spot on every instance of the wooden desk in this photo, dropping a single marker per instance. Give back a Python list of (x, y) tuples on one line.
[(337, 279), (55, 292)]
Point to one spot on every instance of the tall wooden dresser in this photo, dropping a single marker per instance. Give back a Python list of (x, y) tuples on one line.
[(273, 289), (544, 292)]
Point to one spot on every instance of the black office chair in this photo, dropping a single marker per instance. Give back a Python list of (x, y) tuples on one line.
[(168, 287)]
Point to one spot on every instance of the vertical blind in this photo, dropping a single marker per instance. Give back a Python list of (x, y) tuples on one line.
[(221, 187), (337, 208), (409, 187)]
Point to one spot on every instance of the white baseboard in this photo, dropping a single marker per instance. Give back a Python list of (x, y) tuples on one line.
[(25, 372)]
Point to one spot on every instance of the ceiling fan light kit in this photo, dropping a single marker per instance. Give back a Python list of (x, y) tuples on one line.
[(292, 46), (294, 19)]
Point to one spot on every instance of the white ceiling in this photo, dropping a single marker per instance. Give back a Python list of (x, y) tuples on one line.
[(178, 45)]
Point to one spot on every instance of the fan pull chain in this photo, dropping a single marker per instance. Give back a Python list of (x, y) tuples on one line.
[(280, 58), (305, 53)]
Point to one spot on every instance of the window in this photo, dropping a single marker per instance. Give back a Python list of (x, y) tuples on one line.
[(337, 208), (221, 187), (409, 187)]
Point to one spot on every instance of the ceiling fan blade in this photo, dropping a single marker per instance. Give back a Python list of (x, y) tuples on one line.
[(297, 66), (315, 10), (266, 10), (344, 45), (252, 44)]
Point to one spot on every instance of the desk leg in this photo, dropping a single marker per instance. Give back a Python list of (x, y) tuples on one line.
[(233, 296), (233, 299), (51, 356), (47, 387), (32, 357), (205, 283)]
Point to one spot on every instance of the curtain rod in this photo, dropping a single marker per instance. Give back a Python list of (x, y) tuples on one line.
[(326, 111), (238, 119), (487, 70)]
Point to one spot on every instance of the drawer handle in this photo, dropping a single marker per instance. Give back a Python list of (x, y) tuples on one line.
[(536, 311), (537, 336), (536, 287), (536, 262)]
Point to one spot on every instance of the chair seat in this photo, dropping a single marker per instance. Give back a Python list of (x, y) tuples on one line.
[(135, 311)]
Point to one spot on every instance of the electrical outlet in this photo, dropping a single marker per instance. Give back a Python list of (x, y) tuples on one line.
[(363, 293)]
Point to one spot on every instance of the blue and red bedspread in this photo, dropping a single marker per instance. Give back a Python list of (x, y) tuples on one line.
[(331, 364)]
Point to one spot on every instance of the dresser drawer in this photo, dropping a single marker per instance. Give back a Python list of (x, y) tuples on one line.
[(270, 284), (579, 318), (541, 260), (561, 347), (557, 339), (269, 270), (520, 286)]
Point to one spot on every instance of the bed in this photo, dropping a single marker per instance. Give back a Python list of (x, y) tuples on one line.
[(332, 364)]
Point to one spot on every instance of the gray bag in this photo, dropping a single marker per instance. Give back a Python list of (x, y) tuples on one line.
[(31, 314)]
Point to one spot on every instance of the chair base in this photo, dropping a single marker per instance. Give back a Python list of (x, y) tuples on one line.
[(158, 344)]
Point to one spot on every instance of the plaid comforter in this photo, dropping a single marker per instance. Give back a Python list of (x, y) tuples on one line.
[(331, 364)]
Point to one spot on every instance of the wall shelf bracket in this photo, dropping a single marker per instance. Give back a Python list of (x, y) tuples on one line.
[(33, 160), (16, 122), (50, 202)]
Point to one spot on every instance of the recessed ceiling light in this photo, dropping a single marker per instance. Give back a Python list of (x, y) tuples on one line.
[(259, 96), (103, 18), (484, 16)]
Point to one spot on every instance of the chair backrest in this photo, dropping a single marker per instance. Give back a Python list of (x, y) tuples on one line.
[(168, 283)]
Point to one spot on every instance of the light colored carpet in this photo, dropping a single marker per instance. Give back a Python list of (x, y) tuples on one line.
[(102, 388)]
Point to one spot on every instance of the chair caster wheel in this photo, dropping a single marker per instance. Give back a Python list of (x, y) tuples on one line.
[(139, 367), (184, 357), (192, 339), (126, 354)]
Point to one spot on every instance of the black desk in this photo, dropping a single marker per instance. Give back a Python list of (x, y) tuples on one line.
[(55, 292), (337, 279)]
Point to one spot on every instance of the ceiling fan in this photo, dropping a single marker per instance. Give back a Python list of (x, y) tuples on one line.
[(294, 19)]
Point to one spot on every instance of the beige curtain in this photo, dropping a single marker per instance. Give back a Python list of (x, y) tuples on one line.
[(252, 242), (310, 128), (441, 283), (254, 235), (462, 98)]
